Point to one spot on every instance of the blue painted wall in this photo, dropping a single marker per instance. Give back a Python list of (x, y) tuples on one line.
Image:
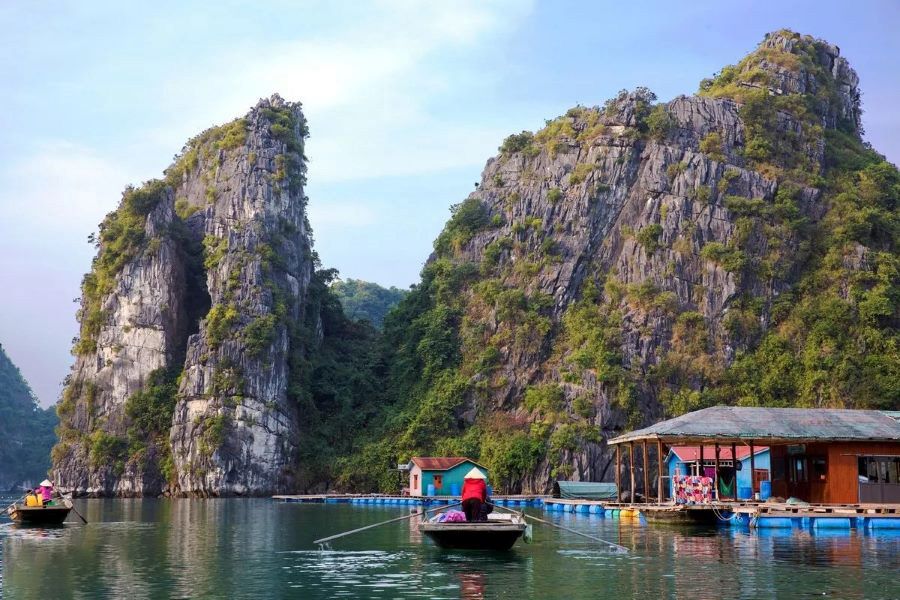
[(450, 476), (761, 461)]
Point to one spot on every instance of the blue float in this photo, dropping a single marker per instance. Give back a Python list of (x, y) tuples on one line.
[(831, 522), (884, 522), (774, 522)]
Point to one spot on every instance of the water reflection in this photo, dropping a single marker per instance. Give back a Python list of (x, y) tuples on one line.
[(255, 548)]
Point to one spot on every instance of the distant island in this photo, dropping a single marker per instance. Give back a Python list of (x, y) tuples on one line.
[(26, 430), (365, 301)]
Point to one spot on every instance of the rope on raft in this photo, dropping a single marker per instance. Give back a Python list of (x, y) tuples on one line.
[(618, 548), (410, 516)]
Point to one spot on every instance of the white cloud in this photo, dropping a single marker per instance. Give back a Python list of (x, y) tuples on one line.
[(367, 88)]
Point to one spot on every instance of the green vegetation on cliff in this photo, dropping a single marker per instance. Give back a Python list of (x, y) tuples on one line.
[(826, 237), (333, 380)]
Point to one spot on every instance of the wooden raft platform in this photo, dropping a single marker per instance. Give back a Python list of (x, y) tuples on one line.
[(743, 514), (869, 518)]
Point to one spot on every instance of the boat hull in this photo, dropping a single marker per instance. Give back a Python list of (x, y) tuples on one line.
[(35, 515), (474, 536), (691, 517)]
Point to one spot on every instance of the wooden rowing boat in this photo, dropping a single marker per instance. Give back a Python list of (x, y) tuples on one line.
[(500, 532), (53, 514)]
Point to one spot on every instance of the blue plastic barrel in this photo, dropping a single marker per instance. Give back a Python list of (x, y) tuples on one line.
[(430, 489), (745, 492), (765, 490), (454, 489), (774, 522)]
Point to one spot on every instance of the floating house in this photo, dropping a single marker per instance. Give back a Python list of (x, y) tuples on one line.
[(822, 456), (439, 476), (685, 460)]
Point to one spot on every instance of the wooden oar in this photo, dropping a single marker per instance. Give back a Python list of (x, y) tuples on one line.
[(72, 502), (15, 502), (410, 516), (622, 549)]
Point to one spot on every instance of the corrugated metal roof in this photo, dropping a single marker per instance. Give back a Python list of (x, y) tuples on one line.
[(440, 463), (724, 423)]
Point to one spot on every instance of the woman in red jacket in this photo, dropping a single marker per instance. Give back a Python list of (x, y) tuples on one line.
[(474, 494)]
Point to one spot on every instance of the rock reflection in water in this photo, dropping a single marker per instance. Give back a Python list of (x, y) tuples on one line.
[(256, 548)]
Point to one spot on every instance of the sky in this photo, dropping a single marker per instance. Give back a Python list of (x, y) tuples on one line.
[(405, 99)]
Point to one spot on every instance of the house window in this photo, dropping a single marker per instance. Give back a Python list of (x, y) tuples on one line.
[(879, 469), (415, 484), (797, 470), (819, 467), (438, 482)]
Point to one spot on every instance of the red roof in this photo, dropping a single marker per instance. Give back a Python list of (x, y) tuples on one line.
[(440, 463), (692, 453)]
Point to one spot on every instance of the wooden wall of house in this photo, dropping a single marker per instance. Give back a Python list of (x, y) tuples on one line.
[(843, 468), (841, 485)]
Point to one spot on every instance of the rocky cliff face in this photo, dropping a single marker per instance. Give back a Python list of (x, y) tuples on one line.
[(637, 260), (181, 377), (234, 429)]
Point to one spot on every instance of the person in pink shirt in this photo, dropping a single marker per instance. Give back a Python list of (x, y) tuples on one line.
[(46, 491)]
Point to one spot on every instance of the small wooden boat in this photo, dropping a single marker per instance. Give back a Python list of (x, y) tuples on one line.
[(499, 532), (52, 514)]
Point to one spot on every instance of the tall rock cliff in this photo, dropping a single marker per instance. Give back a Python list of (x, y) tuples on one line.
[(637, 260), (198, 321)]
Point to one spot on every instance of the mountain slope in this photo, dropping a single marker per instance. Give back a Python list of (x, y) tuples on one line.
[(638, 260), (26, 430)]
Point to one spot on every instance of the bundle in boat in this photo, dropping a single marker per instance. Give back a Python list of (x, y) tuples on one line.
[(498, 532)]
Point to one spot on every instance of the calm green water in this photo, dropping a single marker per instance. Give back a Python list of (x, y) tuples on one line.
[(256, 548)]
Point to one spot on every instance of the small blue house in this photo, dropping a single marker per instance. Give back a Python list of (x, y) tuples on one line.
[(446, 474), (685, 460)]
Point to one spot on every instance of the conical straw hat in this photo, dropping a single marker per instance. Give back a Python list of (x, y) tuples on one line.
[(46, 483), (475, 474)]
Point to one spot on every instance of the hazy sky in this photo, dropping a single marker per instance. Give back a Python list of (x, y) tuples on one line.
[(406, 101)]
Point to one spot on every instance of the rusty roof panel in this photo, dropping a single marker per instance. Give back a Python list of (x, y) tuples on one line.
[(439, 463)]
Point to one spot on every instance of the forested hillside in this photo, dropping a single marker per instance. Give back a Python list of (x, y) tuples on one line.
[(365, 301), (26, 430)]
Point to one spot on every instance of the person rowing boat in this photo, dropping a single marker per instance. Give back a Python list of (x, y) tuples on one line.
[(475, 502)]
